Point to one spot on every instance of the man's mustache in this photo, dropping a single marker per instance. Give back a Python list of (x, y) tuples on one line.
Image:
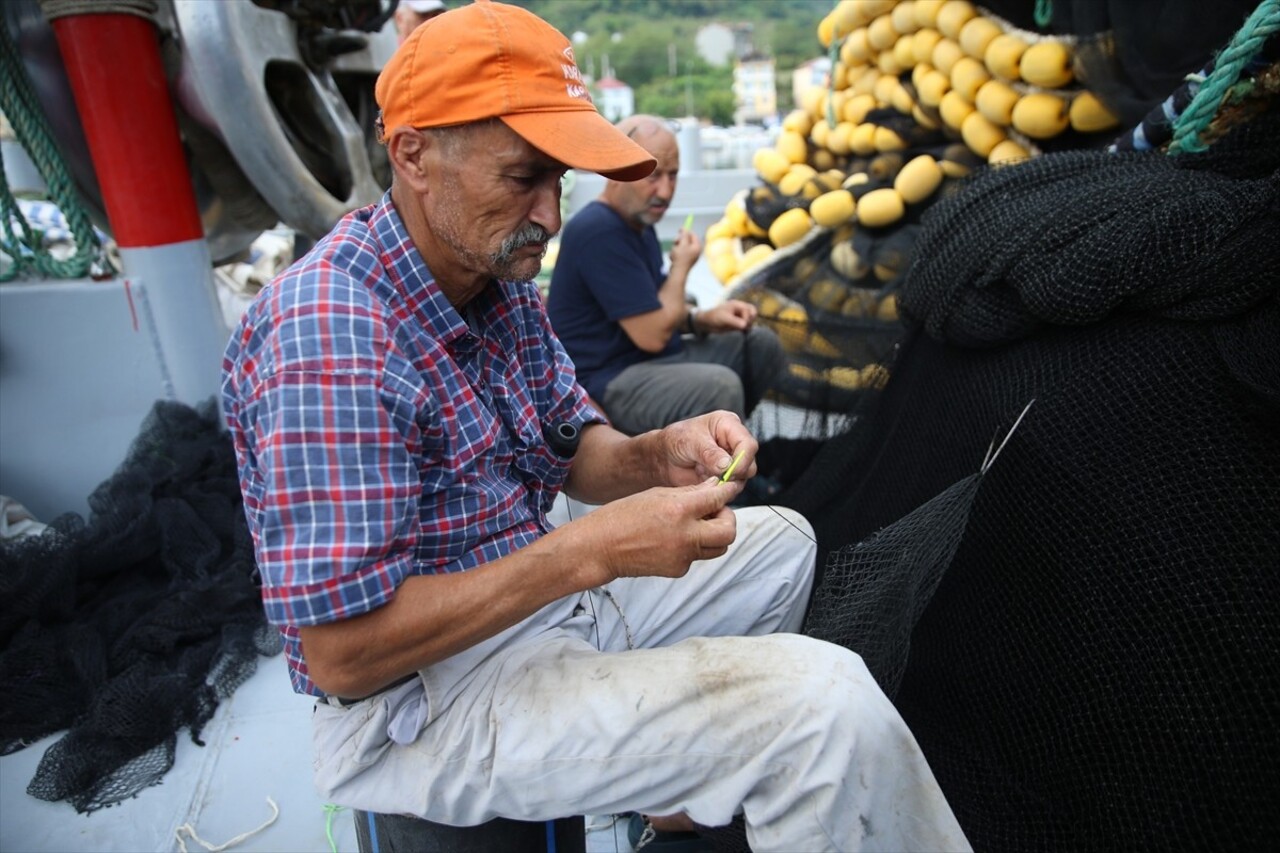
[(531, 233)]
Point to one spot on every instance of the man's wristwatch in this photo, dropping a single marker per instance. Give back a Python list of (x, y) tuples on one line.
[(689, 317)]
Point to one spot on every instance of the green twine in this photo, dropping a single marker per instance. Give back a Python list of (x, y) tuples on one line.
[(329, 811), (833, 54), (1243, 47), (1044, 13), (26, 250)]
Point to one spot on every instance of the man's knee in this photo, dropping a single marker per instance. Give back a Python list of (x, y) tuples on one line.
[(724, 391)]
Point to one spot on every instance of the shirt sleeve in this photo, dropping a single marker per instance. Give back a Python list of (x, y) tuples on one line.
[(334, 438)]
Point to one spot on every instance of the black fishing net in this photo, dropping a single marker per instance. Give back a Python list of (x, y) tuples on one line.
[(1084, 638), (135, 624)]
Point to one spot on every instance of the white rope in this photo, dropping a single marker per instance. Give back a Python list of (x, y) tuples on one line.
[(190, 830)]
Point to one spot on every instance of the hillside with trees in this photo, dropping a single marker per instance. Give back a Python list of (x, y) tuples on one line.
[(649, 45)]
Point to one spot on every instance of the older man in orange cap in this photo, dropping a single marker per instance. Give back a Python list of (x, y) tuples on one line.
[(404, 416)]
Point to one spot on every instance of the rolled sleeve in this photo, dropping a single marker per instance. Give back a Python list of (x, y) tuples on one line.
[(338, 516)]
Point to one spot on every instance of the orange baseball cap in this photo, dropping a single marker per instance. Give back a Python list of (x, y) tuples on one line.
[(491, 60)]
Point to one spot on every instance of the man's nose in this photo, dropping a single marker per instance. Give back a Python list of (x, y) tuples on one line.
[(546, 207)]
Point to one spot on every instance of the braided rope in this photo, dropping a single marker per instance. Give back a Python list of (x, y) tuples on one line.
[(19, 105), (1044, 13), (1263, 23)]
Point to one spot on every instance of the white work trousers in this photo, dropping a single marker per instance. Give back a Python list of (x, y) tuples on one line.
[(713, 712)]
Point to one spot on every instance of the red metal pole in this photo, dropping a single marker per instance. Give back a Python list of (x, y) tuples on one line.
[(113, 65)]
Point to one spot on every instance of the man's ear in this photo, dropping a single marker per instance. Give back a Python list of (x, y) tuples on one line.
[(407, 149)]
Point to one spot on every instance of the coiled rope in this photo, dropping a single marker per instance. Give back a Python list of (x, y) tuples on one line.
[(25, 247), (1246, 44)]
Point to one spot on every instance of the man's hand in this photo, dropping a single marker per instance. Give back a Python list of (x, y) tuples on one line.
[(732, 315), (695, 449), (686, 250), (659, 532)]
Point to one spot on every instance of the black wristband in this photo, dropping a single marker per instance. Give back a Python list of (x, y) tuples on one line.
[(688, 320)]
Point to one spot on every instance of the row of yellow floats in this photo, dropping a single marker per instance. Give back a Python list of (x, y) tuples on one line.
[(921, 92), (947, 65)]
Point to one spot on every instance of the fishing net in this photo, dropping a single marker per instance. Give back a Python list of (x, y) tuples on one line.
[(136, 623), (1083, 634), (876, 589)]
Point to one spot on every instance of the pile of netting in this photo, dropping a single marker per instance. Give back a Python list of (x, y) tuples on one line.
[(135, 624), (1083, 628)]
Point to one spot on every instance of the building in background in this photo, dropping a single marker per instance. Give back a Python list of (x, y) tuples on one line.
[(755, 91), (615, 99), (812, 74)]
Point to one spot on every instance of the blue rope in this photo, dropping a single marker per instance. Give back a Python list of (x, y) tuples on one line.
[(373, 832), (551, 836), (1243, 47)]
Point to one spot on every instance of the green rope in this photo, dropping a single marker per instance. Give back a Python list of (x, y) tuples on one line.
[(329, 811), (1243, 47), (834, 55), (18, 103), (1044, 13)]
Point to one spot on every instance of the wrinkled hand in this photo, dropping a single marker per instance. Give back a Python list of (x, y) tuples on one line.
[(661, 531), (705, 446), (732, 315)]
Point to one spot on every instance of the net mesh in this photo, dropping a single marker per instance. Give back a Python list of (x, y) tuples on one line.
[(1093, 663), (136, 623)]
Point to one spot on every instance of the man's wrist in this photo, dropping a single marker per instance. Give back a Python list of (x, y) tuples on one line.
[(691, 320)]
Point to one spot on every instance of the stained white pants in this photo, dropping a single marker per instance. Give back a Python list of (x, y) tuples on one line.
[(713, 712)]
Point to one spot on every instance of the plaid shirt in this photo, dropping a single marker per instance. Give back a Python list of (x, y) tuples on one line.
[(379, 434)]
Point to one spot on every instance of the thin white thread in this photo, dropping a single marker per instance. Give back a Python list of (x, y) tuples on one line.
[(991, 457), (626, 626), (191, 831)]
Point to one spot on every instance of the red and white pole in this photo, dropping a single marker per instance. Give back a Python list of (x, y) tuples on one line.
[(113, 64)]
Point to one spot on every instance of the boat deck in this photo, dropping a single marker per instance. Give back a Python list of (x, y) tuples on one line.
[(257, 751)]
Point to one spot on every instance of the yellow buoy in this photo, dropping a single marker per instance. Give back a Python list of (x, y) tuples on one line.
[(833, 208), (1040, 115), (1007, 151), (977, 34), (918, 179), (789, 227), (923, 44), (1047, 64), (979, 134), (1089, 115), (967, 76), (754, 256), (792, 183), (946, 53), (954, 109), (880, 33), (926, 12), (792, 146), (952, 16), (932, 86), (770, 164), (886, 139), (995, 101), (904, 16), (880, 207), (1004, 55)]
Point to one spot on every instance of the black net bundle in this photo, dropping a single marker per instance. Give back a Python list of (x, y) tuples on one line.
[(1096, 667), (135, 624)]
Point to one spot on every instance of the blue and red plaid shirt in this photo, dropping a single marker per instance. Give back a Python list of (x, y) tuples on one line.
[(380, 434)]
